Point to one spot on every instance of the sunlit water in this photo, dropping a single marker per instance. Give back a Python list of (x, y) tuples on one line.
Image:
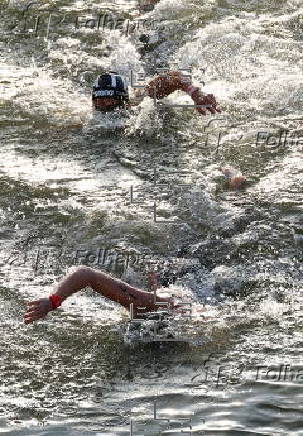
[(74, 180)]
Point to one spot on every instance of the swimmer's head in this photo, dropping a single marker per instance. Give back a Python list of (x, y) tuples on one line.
[(227, 172), (110, 91), (234, 179), (237, 182), (147, 5)]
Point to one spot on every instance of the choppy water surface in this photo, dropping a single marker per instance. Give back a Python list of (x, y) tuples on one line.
[(66, 181)]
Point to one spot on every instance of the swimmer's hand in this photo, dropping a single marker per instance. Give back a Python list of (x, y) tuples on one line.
[(208, 100), (37, 309)]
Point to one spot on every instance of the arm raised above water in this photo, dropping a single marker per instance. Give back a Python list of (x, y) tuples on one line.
[(164, 85), (114, 289)]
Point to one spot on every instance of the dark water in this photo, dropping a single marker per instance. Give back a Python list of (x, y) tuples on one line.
[(65, 196)]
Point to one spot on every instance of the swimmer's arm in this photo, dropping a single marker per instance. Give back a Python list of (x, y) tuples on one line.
[(164, 85), (104, 284)]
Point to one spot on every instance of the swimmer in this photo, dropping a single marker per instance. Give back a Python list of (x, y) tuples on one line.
[(147, 5), (234, 178), (110, 91), (109, 287)]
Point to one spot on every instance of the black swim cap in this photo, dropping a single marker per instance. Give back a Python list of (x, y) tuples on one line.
[(110, 85)]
